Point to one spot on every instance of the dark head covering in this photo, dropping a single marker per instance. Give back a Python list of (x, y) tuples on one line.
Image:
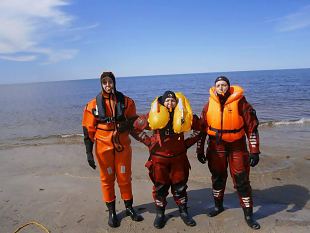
[(168, 94), (110, 75), (222, 78)]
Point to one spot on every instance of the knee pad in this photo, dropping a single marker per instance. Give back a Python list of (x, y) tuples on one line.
[(242, 184), (219, 182), (161, 190), (179, 187)]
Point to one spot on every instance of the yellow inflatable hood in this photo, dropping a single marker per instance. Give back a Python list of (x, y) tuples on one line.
[(182, 118)]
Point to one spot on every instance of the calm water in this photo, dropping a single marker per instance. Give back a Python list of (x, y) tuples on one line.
[(280, 97)]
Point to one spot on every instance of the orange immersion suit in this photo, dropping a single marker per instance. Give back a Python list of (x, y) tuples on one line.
[(103, 123)]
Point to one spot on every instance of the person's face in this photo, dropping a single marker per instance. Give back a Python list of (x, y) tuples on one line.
[(221, 87), (170, 103), (107, 84)]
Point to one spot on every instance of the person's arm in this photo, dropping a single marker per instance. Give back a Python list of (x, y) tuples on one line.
[(130, 115), (140, 125), (196, 134), (251, 123), (89, 129), (200, 151)]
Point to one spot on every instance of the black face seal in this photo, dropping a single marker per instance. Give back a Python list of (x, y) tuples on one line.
[(222, 78), (110, 75), (168, 94)]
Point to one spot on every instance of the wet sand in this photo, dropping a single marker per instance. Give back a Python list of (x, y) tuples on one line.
[(49, 181)]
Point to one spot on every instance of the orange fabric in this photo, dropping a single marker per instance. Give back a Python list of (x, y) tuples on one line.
[(113, 164), (229, 119)]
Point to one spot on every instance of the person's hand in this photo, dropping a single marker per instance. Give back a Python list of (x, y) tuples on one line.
[(201, 158), (254, 159), (153, 143), (140, 123), (90, 160), (123, 126)]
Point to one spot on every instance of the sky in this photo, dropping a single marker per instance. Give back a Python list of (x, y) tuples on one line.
[(51, 40)]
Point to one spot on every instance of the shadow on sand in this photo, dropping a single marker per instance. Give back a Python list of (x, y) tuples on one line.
[(291, 198)]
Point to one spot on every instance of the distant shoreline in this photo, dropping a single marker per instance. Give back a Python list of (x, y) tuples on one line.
[(157, 75)]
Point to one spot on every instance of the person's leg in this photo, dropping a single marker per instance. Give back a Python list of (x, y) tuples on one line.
[(123, 175), (240, 169), (107, 175), (179, 175), (160, 174), (217, 163), (160, 193)]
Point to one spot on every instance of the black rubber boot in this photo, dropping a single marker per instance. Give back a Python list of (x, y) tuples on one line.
[(113, 220), (187, 219), (217, 209), (160, 219), (131, 212), (248, 216)]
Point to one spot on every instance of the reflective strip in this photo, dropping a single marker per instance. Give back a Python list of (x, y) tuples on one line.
[(159, 203), (246, 201), (216, 193), (182, 200), (142, 135), (96, 113), (123, 169), (109, 170)]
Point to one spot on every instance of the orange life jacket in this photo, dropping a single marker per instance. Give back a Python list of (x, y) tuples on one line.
[(227, 124)]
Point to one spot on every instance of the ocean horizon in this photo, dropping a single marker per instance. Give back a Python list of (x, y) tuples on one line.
[(44, 109)]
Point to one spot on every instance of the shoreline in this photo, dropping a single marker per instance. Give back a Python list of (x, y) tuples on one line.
[(50, 181)]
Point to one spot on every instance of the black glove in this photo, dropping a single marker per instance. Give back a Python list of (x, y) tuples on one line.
[(254, 159), (123, 126), (201, 158), (90, 160)]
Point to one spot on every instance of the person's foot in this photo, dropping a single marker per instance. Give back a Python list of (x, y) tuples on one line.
[(215, 211), (113, 220), (160, 219), (248, 216), (133, 215), (187, 219), (131, 212)]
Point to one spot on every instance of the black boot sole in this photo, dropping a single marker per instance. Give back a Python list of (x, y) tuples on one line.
[(213, 212), (136, 218), (161, 225), (253, 224)]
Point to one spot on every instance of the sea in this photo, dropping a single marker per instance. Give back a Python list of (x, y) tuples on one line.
[(54, 109)]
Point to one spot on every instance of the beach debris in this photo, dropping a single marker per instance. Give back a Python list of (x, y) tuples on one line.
[(276, 178), (34, 223), (81, 219)]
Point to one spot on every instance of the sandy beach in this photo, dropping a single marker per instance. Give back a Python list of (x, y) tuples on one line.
[(49, 181)]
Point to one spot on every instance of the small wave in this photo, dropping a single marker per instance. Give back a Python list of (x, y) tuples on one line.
[(286, 122), (53, 136), (71, 135), (40, 140)]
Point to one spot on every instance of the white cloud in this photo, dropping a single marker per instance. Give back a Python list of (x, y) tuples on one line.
[(18, 58), (85, 27), (294, 21), (23, 24), (56, 55)]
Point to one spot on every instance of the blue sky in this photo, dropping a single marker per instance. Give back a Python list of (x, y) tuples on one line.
[(77, 39)]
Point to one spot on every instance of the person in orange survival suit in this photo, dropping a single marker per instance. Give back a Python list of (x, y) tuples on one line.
[(107, 122), (228, 118), (168, 163)]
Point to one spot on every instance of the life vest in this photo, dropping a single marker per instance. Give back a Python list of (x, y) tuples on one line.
[(100, 110), (225, 124), (182, 118)]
